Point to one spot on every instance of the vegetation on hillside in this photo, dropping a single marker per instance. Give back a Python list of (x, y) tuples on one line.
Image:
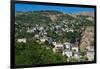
[(33, 53)]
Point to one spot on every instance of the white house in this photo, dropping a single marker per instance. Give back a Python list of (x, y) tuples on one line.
[(75, 48), (54, 43), (36, 36), (90, 55), (45, 33), (31, 30), (70, 30), (58, 47), (76, 55), (21, 40), (63, 29), (67, 53), (42, 40), (41, 28), (67, 45)]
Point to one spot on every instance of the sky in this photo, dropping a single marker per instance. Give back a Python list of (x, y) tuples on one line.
[(64, 9)]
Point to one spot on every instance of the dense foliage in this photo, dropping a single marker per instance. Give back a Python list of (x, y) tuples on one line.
[(33, 53)]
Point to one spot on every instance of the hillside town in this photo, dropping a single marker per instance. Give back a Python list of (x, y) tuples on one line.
[(54, 37), (49, 35)]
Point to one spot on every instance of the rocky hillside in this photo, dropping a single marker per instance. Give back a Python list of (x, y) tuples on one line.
[(90, 14), (87, 38)]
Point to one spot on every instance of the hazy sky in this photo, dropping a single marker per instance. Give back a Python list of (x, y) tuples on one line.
[(65, 9)]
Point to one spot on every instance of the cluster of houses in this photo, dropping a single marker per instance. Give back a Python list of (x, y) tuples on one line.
[(66, 48)]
